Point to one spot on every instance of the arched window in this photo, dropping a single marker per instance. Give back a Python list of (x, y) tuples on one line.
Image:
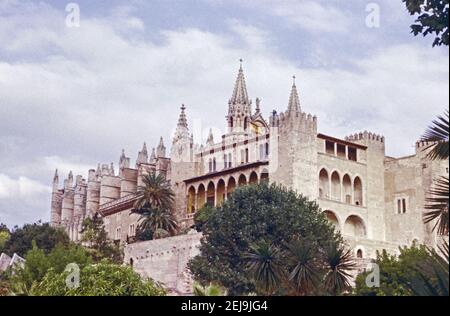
[(336, 186), (354, 226), (332, 218), (324, 185), (201, 195), (220, 192), (347, 186), (359, 254), (253, 178), (211, 194), (358, 191), (242, 180), (191, 200), (231, 186)]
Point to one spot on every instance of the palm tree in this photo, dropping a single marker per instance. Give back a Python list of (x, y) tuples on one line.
[(155, 220), (154, 203), (264, 263), (338, 262), (306, 273), (155, 193), (438, 201)]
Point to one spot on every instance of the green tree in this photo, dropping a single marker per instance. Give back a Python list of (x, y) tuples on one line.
[(45, 236), (432, 18), (396, 273), (202, 215), (154, 204), (101, 279), (38, 263), (243, 240), (95, 238)]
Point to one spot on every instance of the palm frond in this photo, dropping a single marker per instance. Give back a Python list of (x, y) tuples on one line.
[(306, 272), (264, 263), (438, 135), (340, 263), (438, 204)]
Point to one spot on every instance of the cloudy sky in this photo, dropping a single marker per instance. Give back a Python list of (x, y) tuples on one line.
[(71, 97)]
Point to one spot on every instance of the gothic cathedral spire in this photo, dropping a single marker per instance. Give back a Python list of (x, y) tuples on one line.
[(182, 131), (294, 100), (239, 106)]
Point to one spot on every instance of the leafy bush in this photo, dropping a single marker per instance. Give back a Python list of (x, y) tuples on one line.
[(102, 279)]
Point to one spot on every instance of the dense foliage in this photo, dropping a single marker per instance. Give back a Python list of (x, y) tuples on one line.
[(102, 279), (201, 216), (95, 238), (248, 240), (432, 18), (46, 238), (395, 272), (38, 263)]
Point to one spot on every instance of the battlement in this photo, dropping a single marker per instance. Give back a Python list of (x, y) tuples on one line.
[(424, 145), (365, 136), (295, 120)]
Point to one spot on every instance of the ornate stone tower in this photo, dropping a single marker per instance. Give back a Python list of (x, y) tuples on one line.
[(57, 196), (293, 154), (239, 106), (182, 163)]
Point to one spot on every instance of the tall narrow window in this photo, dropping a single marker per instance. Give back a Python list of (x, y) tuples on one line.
[(247, 158), (267, 150), (404, 206), (230, 161), (242, 156), (225, 163), (214, 165), (399, 206), (261, 152), (210, 165)]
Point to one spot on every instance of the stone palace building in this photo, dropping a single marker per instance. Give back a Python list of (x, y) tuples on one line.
[(376, 201)]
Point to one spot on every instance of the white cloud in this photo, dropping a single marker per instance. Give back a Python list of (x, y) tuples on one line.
[(21, 188), (310, 15)]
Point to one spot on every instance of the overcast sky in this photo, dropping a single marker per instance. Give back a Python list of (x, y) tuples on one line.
[(71, 97)]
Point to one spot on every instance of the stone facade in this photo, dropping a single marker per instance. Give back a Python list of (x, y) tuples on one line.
[(165, 260), (376, 201)]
